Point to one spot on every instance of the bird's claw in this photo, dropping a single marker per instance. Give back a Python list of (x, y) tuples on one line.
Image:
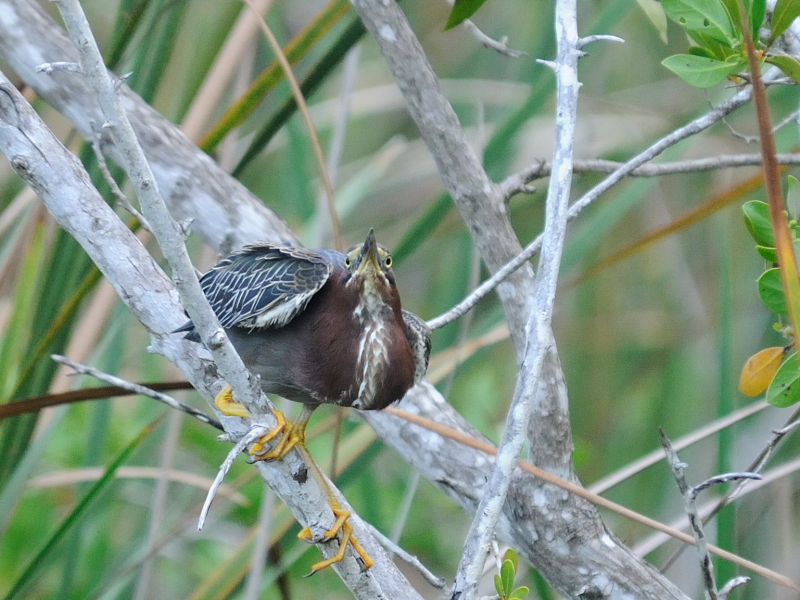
[(290, 438), (342, 525)]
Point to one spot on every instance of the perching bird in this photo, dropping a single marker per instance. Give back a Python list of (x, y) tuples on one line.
[(318, 327)]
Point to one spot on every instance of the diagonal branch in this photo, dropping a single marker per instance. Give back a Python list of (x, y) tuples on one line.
[(62, 183), (538, 330)]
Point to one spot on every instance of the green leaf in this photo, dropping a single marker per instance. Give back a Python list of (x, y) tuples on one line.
[(462, 9), (507, 573), (511, 555), (756, 13), (655, 13), (732, 8), (757, 220), (717, 50), (793, 198), (701, 51), (770, 288), (787, 64), (706, 16), (785, 387), (519, 593), (498, 585), (785, 12), (700, 71), (767, 253)]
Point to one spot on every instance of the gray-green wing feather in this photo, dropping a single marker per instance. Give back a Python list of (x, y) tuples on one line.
[(419, 338), (264, 285)]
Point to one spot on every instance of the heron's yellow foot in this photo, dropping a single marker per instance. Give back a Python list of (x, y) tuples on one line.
[(342, 524), (289, 439), (228, 406)]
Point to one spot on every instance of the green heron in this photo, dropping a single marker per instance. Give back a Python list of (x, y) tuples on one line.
[(318, 327)]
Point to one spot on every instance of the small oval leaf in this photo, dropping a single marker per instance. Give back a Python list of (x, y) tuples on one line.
[(462, 9), (758, 222), (701, 71), (793, 197), (757, 11), (759, 371), (787, 64), (707, 16), (519, 593), (768, 254), (511, 555), (785, 387), (784, 13), (770, 288), (507, 574)]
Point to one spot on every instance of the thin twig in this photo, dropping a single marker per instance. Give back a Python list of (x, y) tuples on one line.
[(50, 68), (250, 437), (407, 558), (112, 183), (724, 478), (137, 389), (616, 176), (500, 45), (519, 182), (755, 466), (599, 501), (689, 500), (731, 585), (657, 539)]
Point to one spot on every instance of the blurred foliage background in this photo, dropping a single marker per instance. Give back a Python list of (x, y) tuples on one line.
[(656, 338)]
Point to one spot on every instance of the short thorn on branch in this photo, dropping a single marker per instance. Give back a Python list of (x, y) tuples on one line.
[(120, 81), (585, 41), (185, 227)]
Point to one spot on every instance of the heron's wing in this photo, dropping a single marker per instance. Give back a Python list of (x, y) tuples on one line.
[(419, 338), (265, 285)]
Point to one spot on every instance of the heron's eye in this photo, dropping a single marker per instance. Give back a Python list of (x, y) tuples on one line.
[(347, 262), (387, 262)]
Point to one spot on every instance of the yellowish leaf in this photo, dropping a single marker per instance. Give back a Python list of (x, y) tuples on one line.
[(759, 370)]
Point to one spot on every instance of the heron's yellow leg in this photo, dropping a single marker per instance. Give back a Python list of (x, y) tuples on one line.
[(294, 436), (342, 524), (228, 406)]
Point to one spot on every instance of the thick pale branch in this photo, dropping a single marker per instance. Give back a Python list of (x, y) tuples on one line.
[(539, 340), (479, 201), (62, 183)]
